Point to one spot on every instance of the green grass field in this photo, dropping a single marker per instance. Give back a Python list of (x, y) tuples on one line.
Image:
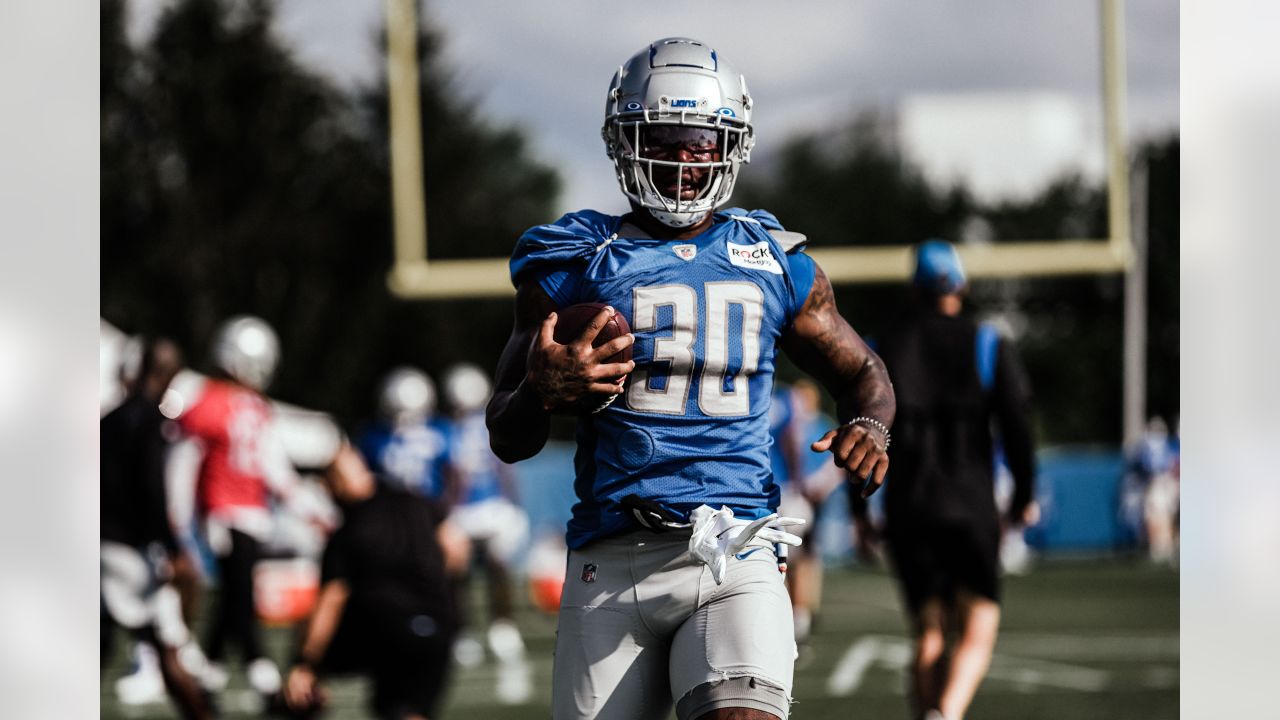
[(1095, 640)]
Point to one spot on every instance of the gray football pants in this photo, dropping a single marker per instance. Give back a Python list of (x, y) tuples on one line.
[(642, 623)]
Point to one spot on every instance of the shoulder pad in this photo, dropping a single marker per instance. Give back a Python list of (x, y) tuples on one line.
[(790, 241), (571, 239)]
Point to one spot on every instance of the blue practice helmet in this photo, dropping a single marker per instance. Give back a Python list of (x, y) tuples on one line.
[(938, 268)]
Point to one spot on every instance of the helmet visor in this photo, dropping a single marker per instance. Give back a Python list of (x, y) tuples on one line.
[(667, 141)]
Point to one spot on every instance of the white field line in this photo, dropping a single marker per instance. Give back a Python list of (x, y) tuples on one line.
[(886, 650), (1028, 673), (1084, 647), (1027, 660)]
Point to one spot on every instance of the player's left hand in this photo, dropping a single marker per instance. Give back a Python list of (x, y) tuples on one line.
[(860, 450), (718, 535), (302, 690)]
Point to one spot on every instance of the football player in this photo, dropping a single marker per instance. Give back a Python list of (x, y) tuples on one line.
[(487, 511), (405, 446), (957, 381), (673, 592), (140, 555), (794, 415), (239, 464)]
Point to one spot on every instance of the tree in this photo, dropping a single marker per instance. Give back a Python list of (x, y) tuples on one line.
[(852, 186), (236, 181)]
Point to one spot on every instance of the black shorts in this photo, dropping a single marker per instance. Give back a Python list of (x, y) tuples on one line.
[(407, 658), (934, 562)]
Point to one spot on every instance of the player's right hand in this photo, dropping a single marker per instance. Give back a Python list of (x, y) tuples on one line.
[(302, 690), (561, 374)]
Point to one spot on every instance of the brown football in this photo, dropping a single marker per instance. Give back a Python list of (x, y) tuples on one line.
[(570, 323)]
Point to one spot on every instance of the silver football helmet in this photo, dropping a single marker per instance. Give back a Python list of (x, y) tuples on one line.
[(466, 388), (246, 348), (677, 126), (407, 396)]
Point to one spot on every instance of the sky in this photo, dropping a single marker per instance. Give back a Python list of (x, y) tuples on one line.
[(545, 67)]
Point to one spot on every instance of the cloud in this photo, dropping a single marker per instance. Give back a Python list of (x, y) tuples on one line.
[(545, 66)]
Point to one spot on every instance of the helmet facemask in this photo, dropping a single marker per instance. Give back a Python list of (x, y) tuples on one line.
[(678, 192)]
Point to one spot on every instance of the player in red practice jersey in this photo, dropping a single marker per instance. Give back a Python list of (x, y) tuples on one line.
[(241, 465)]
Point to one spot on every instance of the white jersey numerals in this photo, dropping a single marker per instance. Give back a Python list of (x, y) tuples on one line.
[(676, 350), (245, 429), (712, 398)]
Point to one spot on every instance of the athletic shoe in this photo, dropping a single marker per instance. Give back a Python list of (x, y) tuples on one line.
[(264, 676), (145, 685), (505, 641), (467, 651)]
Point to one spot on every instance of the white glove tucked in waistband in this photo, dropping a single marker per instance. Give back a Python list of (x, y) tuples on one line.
[(718, 535)]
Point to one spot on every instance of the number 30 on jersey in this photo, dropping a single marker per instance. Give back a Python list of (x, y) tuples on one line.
[(677, 349)]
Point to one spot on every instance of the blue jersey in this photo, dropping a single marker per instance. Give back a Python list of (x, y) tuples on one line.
[(692, 426), (412, 457), (476, 466)]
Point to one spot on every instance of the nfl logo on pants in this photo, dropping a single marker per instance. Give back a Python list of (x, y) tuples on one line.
[(589, 572)]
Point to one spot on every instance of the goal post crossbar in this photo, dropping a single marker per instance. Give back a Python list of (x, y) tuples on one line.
[(414, 276)]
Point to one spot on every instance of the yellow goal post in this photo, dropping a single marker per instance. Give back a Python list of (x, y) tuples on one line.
[(415, 276)]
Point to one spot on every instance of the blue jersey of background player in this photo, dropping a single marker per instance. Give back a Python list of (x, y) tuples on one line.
[(707, 315), (782, 415), (470, 456), (405, 446)]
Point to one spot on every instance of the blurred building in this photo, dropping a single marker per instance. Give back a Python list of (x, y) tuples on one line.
[(1001, 145)]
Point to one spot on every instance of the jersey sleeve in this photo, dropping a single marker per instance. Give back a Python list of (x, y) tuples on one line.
[(561, 285), (546, 254), (201, 419), (1012, 398), (802, 270)]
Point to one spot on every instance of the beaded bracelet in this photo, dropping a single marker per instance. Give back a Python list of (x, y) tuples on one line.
[(875, 425)]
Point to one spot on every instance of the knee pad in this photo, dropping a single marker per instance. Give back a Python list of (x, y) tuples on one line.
[(743, 692)]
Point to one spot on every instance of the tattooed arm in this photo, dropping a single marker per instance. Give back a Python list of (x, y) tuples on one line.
[(537, 375), (822, 344)]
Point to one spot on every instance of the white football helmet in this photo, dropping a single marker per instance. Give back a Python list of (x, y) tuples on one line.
[(246, 348), (407, 397), (678, 92), (466, 388)]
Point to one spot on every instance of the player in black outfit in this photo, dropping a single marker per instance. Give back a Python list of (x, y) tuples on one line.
[(952, 378), (386, 607), (139, 553)]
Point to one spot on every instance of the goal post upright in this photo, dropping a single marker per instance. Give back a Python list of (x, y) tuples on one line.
[(415, 276)]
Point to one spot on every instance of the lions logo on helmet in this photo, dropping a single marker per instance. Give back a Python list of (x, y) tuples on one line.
[(682, 90), (407, 397), (247, 349)]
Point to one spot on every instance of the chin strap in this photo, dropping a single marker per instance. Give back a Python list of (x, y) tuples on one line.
[(678, 220)]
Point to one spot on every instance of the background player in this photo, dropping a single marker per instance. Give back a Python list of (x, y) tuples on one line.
[(140, 554), (700, 617), (1149, 494), (405, 445), (386, 607), (794, 417), (239, 465), (485, 507), (952, 380)]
